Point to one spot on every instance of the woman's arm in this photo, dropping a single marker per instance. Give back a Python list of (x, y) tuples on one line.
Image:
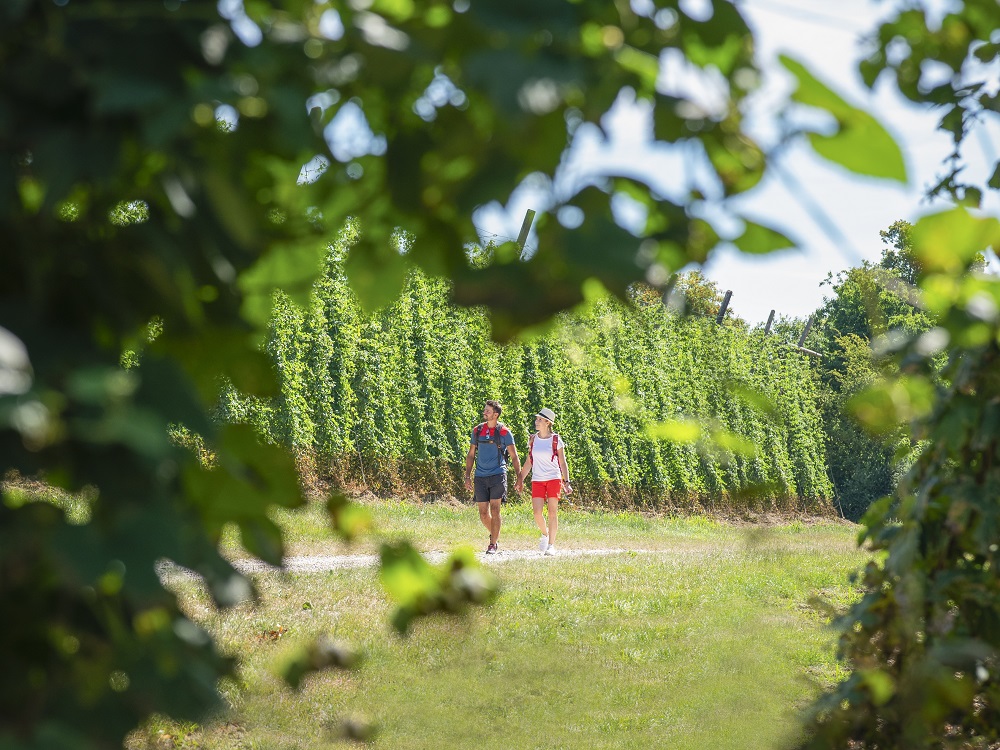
[(564, 470), (525, 469)]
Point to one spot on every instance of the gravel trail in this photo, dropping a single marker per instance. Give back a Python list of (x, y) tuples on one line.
[(324, 563)]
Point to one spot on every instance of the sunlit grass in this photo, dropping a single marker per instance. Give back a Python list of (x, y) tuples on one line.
[(442, 526), (701, 637)]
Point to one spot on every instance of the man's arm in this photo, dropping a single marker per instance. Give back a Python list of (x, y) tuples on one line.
[(470, 457), (514, 460), (522, 474)]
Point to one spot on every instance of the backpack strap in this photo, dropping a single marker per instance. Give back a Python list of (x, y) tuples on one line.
[(531, 446), (498, 434)]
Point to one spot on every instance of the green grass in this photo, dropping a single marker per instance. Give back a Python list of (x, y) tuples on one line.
[(703, 637), (443, 526)]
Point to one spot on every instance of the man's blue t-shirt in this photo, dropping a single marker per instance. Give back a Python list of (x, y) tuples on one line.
[(488, 462)]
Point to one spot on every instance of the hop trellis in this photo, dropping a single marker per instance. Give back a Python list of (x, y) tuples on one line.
[(407, 384)]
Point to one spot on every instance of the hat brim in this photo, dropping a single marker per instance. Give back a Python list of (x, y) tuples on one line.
[(550, 421)]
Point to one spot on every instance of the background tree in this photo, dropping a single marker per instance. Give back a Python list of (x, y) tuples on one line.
[(898, 254), (701, 296), (869, 304)]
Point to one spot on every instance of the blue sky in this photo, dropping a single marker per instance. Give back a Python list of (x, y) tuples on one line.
[(827, 37)]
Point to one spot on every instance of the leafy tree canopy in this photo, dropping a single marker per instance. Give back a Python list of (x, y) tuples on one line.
[(874, 298)]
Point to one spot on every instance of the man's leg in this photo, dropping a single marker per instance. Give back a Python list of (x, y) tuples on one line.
[(484, 516), (481, 495), (494, 526)]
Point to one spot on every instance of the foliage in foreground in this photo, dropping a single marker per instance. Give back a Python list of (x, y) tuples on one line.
[(388, 400), (924, 641), (105, 104)]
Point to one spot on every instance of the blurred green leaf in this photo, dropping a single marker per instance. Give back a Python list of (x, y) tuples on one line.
[(861, 144), (642, 64), (292, 268), (730, 441), (753, 397), (407, 577), (323, 652), (880, 684), (675, 430), (738, 161), (250, 478), (758, 239), (350, 520), (882, 407), (420, 589), (949, 240), (376, 269), (216, 353)]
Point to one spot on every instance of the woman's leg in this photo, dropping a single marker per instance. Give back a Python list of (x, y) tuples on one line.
[(553, 503), (536, 506)]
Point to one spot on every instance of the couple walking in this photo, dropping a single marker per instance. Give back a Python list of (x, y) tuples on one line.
[(492, 446)]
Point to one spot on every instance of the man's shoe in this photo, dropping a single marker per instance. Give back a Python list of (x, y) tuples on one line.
[(543, 544), (550, 550), (491, 549)]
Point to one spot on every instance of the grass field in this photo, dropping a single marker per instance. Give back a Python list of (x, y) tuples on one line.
[(701, 635)]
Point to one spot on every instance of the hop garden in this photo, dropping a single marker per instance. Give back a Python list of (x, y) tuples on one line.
[(659, 410)]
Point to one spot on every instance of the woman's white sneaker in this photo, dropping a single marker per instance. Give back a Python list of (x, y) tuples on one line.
[(550, 550), (543, 544)]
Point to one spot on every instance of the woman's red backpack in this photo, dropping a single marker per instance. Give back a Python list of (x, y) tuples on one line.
[(555, 447)]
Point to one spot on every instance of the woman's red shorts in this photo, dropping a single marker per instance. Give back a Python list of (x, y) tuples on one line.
[(545, 490)]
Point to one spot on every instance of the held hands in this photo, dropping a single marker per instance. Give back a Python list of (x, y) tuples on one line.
[(518, 485), (567, 489), (468, 483)]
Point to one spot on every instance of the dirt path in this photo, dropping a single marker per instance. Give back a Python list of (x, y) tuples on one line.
[(168, 570), (324, 563), (684, 550)]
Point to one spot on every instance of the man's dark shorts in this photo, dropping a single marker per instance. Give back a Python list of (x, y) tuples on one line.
[(490, 488)]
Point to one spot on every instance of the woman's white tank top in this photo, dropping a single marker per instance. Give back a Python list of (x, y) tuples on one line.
[(543, 468)]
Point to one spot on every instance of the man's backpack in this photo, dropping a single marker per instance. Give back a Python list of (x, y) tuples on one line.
[(555, 447), (495, 437)]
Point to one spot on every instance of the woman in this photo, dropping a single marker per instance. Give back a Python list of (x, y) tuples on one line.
[(549, 474)]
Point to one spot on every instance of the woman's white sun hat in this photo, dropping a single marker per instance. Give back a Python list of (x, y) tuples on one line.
[(547, 414)]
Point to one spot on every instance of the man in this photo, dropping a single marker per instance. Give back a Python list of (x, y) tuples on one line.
[(491, 446)]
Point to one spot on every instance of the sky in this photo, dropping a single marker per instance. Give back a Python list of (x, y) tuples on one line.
[(827, 37)]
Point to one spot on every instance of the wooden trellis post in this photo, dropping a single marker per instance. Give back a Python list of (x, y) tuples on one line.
[(802, 340), (725, 304), (522, 236)]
